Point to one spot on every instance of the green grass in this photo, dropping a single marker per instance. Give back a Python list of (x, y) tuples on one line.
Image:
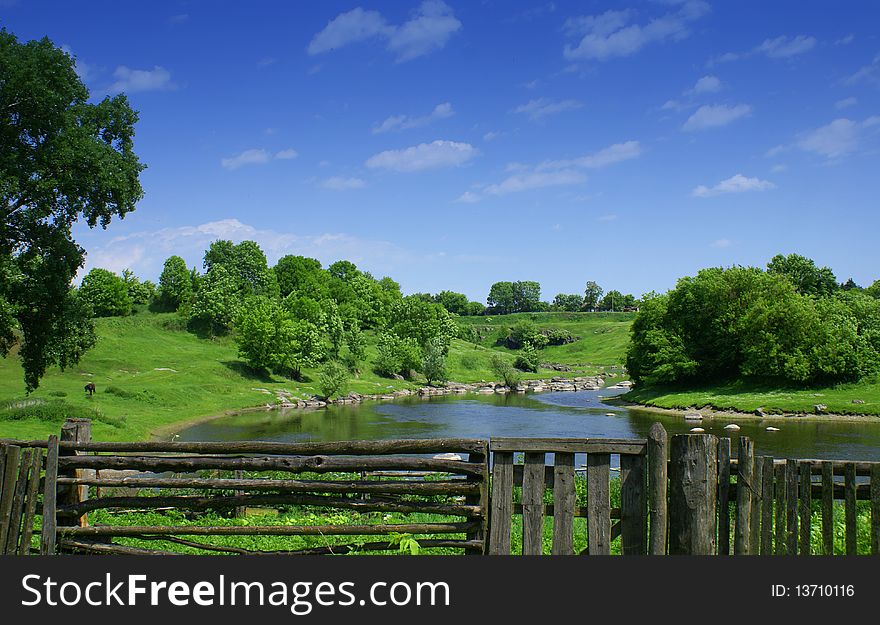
[(749, 396), (149, 373)]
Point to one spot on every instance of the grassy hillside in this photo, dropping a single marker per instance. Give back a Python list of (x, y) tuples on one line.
[(150, 372)]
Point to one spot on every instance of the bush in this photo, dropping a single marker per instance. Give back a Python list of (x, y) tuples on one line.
[(397, 356), (434, 362), (106, 292), (527, 359), (525, 333), (333, 379), (504, 370)]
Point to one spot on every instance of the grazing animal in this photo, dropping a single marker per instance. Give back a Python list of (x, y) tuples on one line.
[(90, 388)]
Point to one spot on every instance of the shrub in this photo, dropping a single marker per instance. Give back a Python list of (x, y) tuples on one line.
[(106, 292), (504, 370), (527, 359), (333, 379), (397, 356), (434, 362)]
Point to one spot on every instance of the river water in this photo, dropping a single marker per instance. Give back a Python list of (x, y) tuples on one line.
[(580, 414)]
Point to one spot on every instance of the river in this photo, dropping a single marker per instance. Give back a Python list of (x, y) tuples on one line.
[(580, 414)]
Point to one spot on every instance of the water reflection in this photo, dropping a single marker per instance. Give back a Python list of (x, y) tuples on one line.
[(580, 414)]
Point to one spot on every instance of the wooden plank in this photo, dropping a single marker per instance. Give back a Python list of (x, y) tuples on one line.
[(779, 542), (806, 512), (24, 546), (755, 517), (828, 508), (849, 473), (7, 492), (599, 504), (502, 503), (633, 506), (47, 540), (875, 511), (533, 504), (723, 496), (863, 468), (693, 487), (791, 512), (571, 445), (480, 500), (268, 530), (745, 491), (18, 502), (293, 464), (657, 486), (766, 506), (564, 502)]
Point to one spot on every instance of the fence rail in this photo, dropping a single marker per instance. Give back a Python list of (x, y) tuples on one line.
[(688, 494)]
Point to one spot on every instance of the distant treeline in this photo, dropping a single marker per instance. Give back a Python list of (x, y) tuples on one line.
[(792, 323)]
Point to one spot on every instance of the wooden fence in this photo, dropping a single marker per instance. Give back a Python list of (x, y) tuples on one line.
[(691, 494)]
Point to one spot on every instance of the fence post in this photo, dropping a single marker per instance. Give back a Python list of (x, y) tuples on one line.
[(80, 431), (745, 491), (657, 446), (693, 485)]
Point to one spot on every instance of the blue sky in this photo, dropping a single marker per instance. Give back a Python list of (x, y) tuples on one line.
[(453, 144)]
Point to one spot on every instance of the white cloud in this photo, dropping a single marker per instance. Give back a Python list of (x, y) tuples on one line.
[(715, 115), (721, 243), (867, 73), (557, 172), (492, 135), (434, 155), (785, 47), (613, 33), (833, 140), (405, 122), (256, 156), (133, 80), (846, 103), (287, 154), (607, 218), (541, 107), (845, 41), (339, 183), (428, 29), (468, 197), (145, 251), (734, 184), (707, 84)]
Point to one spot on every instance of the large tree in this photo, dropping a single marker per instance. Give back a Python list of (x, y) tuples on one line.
[(62, 159), (807, 277), (592, 294)]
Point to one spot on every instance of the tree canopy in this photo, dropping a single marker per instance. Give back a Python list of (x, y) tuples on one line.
[(62, 159)]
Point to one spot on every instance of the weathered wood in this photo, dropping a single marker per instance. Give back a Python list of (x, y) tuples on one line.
[(863, 468), (480, 501), (24, 545), (502, 503), (293, 464), (269, 530), (779, 546), (755, 516), (571, 445), (745, 492), (533, 504), (110, 549), (76, 431), (580, 512), (18, 502), (407, 487), (657, 485), (806, 513), (766, 506), (47, 540), (564, 502), (633, 506), (791, 512), (599, 504), (723, 496), (693, 485), (7, 492), (850, 508), (875, 510), (333, 549), (828, 508)]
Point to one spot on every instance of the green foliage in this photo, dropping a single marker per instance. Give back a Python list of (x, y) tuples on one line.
[(217, 302), (397, 356), (332, 379), (726, 323), (802, 272), (568, 302), (302, 276), (512, 297), (63, 158), (414, 318), (473, 309), (525, 333), (175, 284), (405, 543), (455, 303), (504, 370), (617, 301), (470, 362), (106, 292), (356, 348), (527, 359), (592, 294), (138, 292), (434, 362)]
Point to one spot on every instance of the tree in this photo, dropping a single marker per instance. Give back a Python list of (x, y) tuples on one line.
[(592, 294), (397, 356), (502, 368), (301, 275), (456, 303), (175, 284), (526, 296), (62, 158), (568, 303), (216, 304), (332, 379), (139, 292), (803, 273), (434, 362), (414, 318), (473, 309), (850, 285), (106, 292), (616, 301), (527, 359), (500, 298)]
